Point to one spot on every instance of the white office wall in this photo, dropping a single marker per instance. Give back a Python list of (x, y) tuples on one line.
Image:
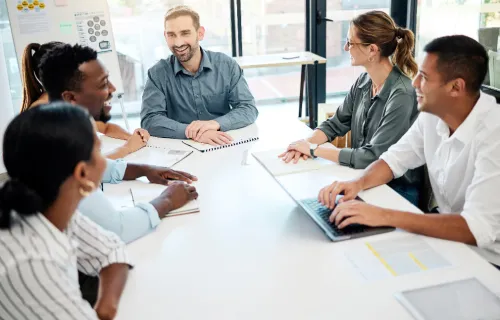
[(6, 109)]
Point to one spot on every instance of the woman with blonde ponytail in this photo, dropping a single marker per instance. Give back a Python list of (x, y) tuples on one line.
[(379, 108)]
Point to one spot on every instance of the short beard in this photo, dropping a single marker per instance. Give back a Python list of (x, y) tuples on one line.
[(189, 55), (103, 116)]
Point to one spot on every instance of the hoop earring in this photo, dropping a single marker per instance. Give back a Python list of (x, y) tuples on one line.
[(370, 59), (85, 193)]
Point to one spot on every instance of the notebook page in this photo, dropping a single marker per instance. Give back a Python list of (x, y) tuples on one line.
[(155, 153), (277, 167), (158, 156), (147, 192)]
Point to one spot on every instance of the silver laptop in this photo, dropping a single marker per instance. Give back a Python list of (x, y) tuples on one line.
[(320, 215)]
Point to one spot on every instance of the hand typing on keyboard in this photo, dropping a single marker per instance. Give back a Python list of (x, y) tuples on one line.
[(349, 189), (359, 212), (324, 213)]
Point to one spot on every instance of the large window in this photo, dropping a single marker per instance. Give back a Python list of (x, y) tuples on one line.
[(273, 26), (478, 19), (340, 75), (139, 48), (268, 26), (9, 51), (455, 17)]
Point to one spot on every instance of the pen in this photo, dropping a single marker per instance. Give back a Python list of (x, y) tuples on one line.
[(132, 195)]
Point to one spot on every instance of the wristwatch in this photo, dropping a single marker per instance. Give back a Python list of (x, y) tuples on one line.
[(312, 147)]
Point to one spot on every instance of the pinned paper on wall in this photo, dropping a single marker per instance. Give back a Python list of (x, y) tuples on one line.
[(66, 27), (32, 16), (93, 30)]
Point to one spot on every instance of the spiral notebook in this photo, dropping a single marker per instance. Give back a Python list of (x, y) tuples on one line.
[(240, 136)]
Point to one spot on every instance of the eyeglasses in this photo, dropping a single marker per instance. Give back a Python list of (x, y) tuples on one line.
[(350, 44)]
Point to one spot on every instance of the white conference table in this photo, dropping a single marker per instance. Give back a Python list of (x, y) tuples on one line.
[(252, 253)]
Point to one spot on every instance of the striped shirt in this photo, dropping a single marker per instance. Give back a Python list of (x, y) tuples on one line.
[(39, 263)]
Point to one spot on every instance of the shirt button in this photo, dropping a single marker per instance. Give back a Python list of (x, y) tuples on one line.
[(200, 112)]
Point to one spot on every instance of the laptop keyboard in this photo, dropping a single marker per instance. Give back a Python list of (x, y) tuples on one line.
[(324, 213)]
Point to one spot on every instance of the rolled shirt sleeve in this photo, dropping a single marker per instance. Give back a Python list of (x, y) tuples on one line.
[(482, 203), (129, 224), (115, 170)]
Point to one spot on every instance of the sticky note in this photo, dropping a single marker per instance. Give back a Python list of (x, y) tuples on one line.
[(66, 27), (61, 3)]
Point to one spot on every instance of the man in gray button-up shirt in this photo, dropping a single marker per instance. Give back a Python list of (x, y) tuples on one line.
[(195, 93)]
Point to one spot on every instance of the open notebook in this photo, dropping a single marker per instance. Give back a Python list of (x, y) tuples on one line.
[(277, 167), (146, 192), (155, 153), (240, 136)]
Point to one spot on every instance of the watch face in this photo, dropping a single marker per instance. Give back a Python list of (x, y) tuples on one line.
[(313, 146)]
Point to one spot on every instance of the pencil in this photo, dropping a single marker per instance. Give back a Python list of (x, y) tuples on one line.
[(132, 195)]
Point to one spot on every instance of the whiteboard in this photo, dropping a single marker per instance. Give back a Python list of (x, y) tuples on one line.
[(86, 22), (6, 109)]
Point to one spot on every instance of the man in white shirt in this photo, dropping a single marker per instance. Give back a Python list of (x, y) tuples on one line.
[(458, 136)]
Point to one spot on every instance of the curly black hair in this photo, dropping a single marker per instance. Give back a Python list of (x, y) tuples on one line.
[(59, 68)]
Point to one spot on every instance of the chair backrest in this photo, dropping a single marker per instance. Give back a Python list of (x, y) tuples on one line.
[(488, 37), (494, 68), (426, 196)]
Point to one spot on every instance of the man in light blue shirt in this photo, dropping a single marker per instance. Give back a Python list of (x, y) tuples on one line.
[(133, 223), (73, 74), (195, 93)]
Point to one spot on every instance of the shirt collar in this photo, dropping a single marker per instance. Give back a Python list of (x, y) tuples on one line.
[(465, 131), (442, 129), (365, 82), (205, 63), (388, 84)]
